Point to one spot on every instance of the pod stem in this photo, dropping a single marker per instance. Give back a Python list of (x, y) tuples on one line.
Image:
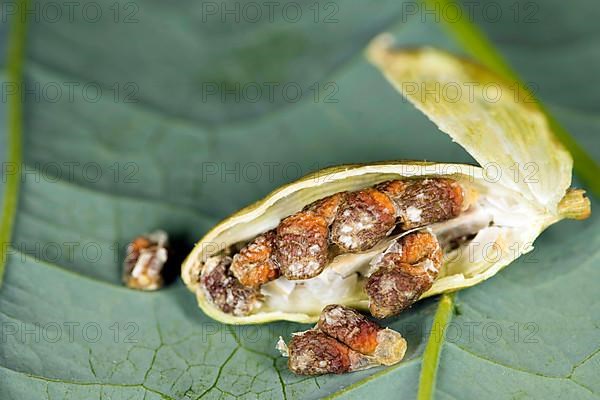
[(575, 205)]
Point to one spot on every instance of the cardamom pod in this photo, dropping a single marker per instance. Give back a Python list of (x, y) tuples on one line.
[(372, 236)]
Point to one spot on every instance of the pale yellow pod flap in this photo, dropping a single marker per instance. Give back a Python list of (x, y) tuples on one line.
[(496, 121)]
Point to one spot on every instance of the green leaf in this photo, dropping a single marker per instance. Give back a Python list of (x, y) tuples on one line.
[(70, 331)]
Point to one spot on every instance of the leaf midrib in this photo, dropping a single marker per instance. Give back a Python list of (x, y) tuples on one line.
[(16, 51)]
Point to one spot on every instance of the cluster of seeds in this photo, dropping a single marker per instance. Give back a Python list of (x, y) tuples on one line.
[(303, 244), (342, 341)]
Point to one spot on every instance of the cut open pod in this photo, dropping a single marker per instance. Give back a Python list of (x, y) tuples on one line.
[(521, 188)]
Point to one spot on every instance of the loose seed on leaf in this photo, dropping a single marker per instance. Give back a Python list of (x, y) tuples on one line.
[(314, 353), (333, 345), (224, 290), (143, 264), (361, 334), (349, 327), (403, 273), (255, 264), (365, 218)]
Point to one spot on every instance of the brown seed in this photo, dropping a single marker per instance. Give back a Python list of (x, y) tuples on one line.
[(343, 341), (349, 327), (393, 288), (327, 207), (254, 264), (364, 219), (392, 188), (302, 246), (224, 290), (359, 333), (403, 273), (315, 353), (419, 246), (428, 201), (143, 264)]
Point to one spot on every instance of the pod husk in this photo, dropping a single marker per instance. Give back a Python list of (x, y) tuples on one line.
[(504, 134)]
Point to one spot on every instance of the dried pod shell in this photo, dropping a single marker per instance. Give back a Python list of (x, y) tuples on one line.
[(507, 214)]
